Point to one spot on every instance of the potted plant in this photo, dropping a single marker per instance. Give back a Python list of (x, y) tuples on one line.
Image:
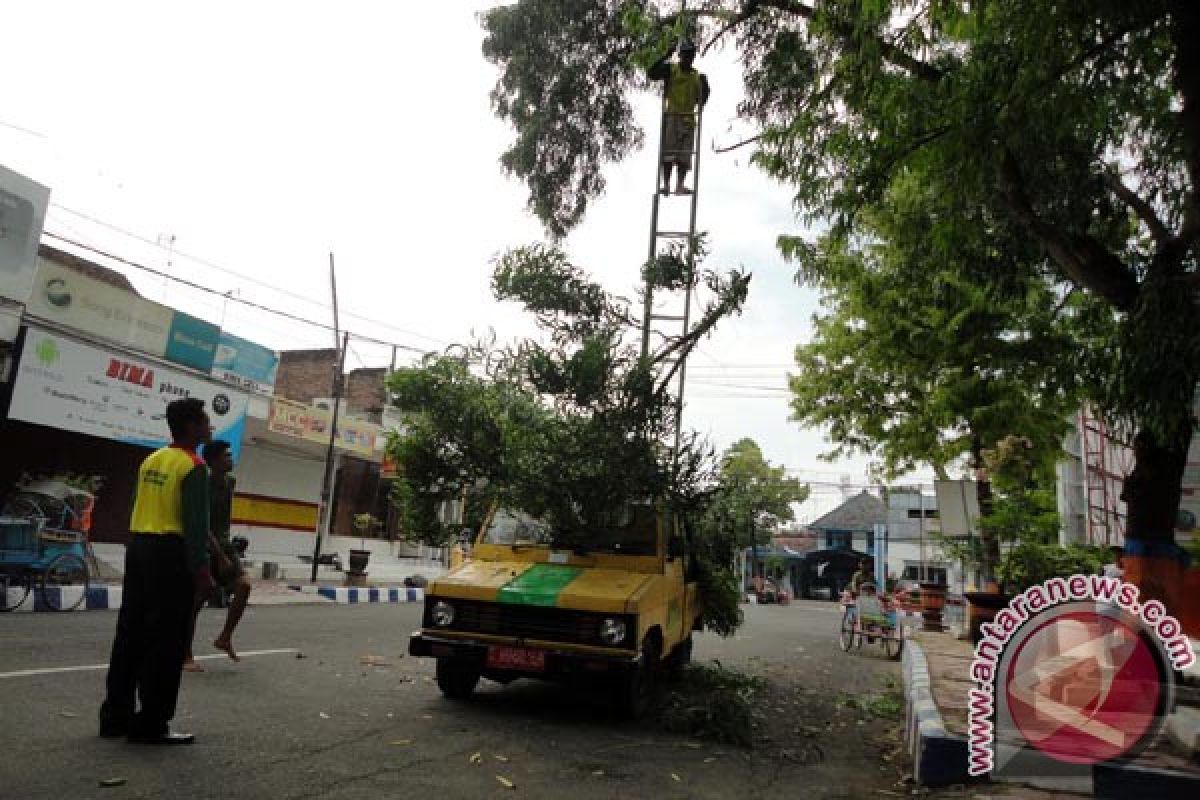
[(364, 524)]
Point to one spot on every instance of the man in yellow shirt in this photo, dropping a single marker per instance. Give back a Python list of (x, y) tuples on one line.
[(687, 92), (166, 562)]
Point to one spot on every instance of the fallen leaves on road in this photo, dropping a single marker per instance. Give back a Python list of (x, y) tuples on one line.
[(301, 655), (373, 661), (323, 715), (402, 742), (599, 773), (68, 714), (111, 783), (505, 782), (676, 778), (476, 758), (503, 759)]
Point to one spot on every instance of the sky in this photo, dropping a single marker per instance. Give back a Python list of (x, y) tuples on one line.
[(237, 144)]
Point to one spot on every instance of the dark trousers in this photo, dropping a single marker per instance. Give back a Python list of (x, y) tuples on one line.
[(153, 629)]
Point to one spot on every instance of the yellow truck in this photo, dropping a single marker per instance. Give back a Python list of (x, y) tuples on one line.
[(619, 611)]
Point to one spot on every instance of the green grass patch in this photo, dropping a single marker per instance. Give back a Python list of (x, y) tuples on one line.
[(888, 704)]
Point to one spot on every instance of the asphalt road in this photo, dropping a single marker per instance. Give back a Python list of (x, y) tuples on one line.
[(326, 725)]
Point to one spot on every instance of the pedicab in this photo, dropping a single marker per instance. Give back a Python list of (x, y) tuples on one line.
[(870, 616), (44, 530)]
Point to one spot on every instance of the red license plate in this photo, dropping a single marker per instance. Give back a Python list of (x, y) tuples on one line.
[(519, 658)]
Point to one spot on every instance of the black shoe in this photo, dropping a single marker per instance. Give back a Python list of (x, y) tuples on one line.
[(113, 726), (166, 737), (113, 730)]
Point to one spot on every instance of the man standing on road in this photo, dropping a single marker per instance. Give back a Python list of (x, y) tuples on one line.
[(166, 563), (225, 562), (687, 91)]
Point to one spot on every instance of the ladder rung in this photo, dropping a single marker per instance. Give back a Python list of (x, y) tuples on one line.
[(672, 234), (672, 317)]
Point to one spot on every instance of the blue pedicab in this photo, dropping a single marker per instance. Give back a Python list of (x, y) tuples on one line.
[(43, 546), (871, 617)]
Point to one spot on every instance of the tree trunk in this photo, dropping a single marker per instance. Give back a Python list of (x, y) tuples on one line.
[(989, 555), (1153, 490)]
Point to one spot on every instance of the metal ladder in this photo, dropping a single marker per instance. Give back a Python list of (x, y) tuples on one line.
[(661, 305)]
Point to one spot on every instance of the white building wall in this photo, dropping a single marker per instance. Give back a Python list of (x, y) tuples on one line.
[(273, 472), (908, 516)]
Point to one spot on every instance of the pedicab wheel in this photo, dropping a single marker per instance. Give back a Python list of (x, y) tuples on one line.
[(63, 585), (847, 634), (14, 589)]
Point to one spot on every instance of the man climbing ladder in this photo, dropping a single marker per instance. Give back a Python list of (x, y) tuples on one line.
[(686, 90)]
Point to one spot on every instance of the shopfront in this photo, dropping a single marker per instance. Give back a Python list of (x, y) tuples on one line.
[(92, 411)]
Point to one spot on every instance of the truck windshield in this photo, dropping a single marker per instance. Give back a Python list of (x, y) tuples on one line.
[(515, 528), (631, 531)]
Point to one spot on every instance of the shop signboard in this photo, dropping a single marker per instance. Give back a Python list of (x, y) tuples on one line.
[(73, 300), (63, 383), (22, 213), (192, 342), (65, 297), (354, 436), (246, 364)]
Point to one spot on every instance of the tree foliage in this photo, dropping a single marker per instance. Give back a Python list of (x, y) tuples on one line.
[(751, 499), (569, 427), (940, 336), (1077, 123)]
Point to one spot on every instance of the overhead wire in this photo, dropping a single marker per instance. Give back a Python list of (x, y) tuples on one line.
[(228, 271), (241, 300)]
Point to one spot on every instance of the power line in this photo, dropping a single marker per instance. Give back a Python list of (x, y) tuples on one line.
[(24, 130), (242, 276), (192, 285)]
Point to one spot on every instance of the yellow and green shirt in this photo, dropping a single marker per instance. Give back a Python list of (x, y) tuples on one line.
[(172, 500), (685, 89)]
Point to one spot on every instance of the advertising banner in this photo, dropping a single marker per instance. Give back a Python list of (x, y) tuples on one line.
[(65, 384), (22, 213), (245, 364), (312, 424), (64, 296), (192, 342)]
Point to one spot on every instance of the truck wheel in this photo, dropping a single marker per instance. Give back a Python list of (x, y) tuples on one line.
[(680, 657), (635, 693), (457, 678)]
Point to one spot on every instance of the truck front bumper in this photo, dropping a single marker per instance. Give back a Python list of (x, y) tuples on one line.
[(559, 662)]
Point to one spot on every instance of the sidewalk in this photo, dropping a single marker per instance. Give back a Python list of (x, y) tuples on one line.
[(937, 680)]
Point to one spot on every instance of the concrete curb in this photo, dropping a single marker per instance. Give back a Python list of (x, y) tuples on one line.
[(99, 598), (939, 757), (343, 594)]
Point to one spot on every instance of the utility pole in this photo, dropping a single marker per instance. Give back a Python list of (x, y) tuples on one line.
[(341, 342)]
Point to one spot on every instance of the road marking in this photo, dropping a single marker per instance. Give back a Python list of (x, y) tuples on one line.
[(26, 673)]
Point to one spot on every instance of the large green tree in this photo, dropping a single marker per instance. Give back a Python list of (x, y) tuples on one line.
[(751, 499), (941, 336), (1077, 122)]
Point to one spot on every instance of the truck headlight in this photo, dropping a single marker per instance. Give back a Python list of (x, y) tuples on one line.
[(613, 631), (442, 614)]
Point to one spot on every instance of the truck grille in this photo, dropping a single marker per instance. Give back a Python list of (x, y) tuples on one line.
[(525, 622)]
